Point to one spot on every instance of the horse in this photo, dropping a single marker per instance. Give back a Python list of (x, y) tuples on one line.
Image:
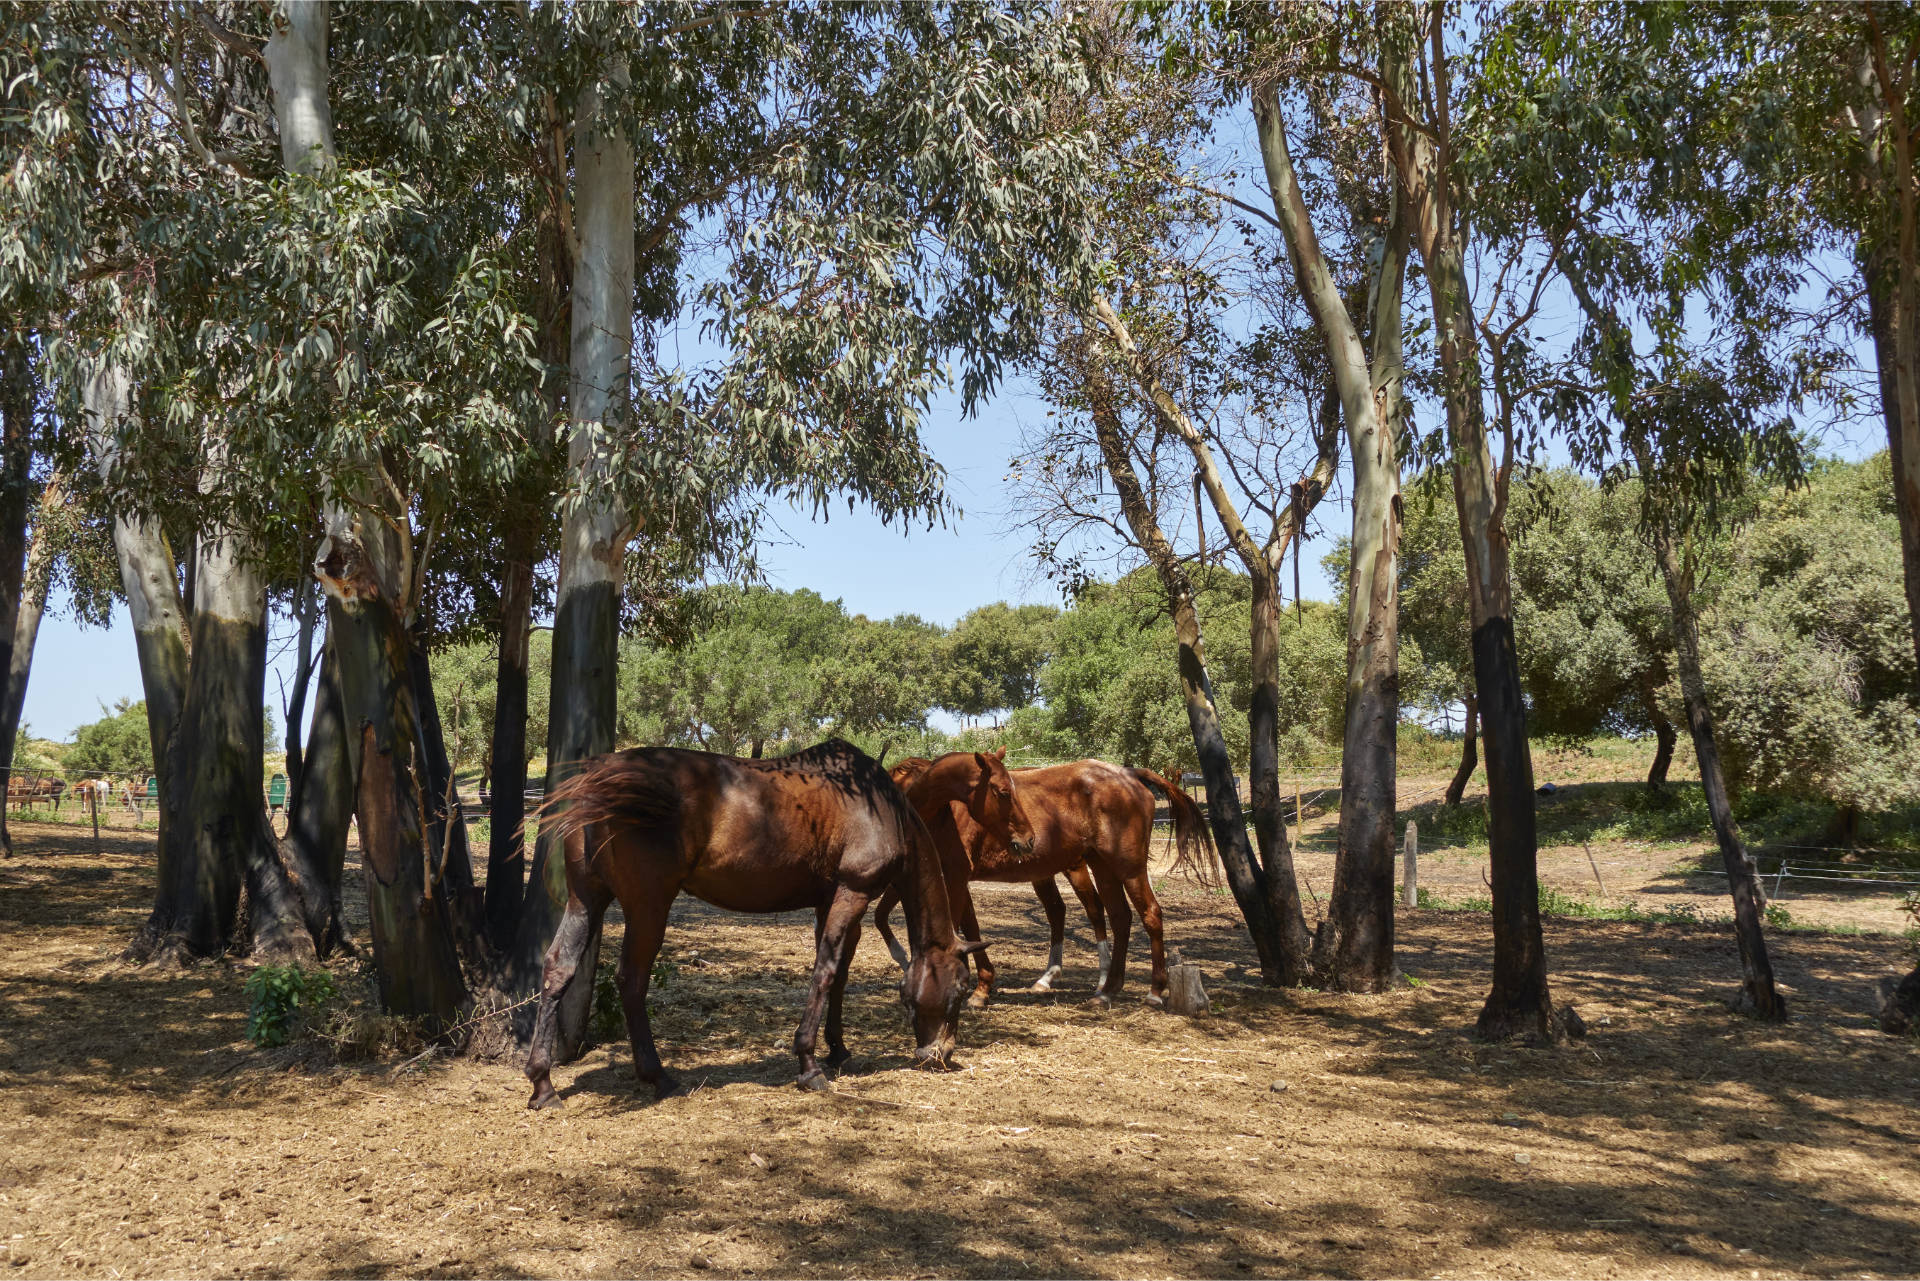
[(1085, 814), (823, 828)]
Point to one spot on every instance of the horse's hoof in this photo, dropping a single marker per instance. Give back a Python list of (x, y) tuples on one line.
[(837, 1057), (544, 1098), (1041, 987), (1155, 1001), (978, 1001), (666, 1087), (815, 1081), (1100, 1001)]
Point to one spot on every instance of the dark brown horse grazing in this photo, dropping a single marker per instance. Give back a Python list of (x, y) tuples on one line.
[(1086, 812), (824, 828)]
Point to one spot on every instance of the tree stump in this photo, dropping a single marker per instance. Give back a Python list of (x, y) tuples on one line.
[(1185, 993)]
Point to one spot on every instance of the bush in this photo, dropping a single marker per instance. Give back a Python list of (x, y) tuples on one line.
[(281, 998)]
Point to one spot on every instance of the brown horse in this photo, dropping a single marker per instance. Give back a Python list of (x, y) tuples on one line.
[(1087, 813), (824, 828)]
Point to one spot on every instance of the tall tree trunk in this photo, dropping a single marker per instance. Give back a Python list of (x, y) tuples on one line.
[(1353, 950), (148, 574), (33, 604), (1520, 1002), (318, 814), (1886, 321), (446, 828), (1469, 751), (595, 531), (1251, 886), (415, 959), (17, 396), (369, 577), (506, 843), (1758, 995), (215, 824), (1273, 875), (1664, 738), (306, 609)]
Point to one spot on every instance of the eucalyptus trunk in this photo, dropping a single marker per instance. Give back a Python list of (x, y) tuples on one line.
[(306, 610), (149, 577), (595, 529), (1519, 1003), (1888, 321), (1758, 994), (1665, 737), (447, 841), (1353, 949), (1469, 751), (368, 578), (319, 811), (416, 964), (1271, 877), (506, 842), (17, 395), (34, 585), (1251, 886), (215, 834)]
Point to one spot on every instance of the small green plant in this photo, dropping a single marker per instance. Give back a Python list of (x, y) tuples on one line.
[(281, 997), (609, 1017), (1778, 917)]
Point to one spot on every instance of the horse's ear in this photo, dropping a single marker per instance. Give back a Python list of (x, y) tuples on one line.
[(1000, 753), (967, 947)]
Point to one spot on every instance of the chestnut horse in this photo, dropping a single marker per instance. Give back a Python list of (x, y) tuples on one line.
[(824, 828), (1087, 812)]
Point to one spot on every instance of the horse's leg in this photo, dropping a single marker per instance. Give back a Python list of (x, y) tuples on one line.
[(881, 911), (645, 928), (837, 1052), (1082, 882), (1140, 890), (982, 966), (1056, 909), (564, 955), (1120, 920), (837, 932)]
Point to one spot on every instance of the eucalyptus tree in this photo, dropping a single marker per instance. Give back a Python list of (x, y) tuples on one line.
[(1429, 140), (1149, 378), (1354, 948), (1690, 410)]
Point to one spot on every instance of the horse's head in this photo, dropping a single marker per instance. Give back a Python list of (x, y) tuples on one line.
[(933, 991), (994, 806)]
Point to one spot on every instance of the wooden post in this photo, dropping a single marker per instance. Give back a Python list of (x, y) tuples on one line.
[(1410, 867), (93, 805)]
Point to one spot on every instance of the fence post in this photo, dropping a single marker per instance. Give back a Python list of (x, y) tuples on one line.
[(1410, 867), (93, 804)]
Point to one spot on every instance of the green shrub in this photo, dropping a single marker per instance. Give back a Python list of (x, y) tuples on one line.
[(281, 997), (1778, 917)]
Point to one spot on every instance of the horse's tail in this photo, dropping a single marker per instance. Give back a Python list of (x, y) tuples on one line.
[(1191, 837), (617, 790)]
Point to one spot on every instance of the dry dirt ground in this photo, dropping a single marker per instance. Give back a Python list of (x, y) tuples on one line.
[(1288, 1133)]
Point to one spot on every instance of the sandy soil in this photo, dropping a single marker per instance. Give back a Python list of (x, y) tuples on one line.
[(145, 1137)]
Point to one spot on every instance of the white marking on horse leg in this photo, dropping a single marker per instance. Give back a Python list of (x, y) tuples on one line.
[(1055, 963), (1106, 961)]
